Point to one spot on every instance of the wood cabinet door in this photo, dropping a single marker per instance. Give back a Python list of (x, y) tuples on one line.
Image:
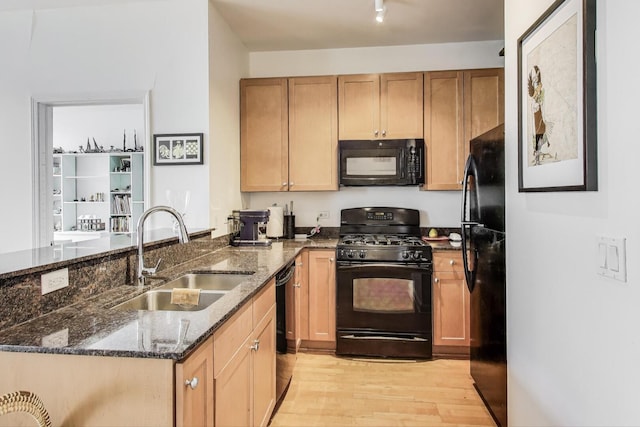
[(443, 129), (233, 389), (264, 369), (483, 101), (458, 106), (322, 295), (313, 133), (293, 307), (359, 106), (451, 305), (401, 109), (194, 388), (264, 135)]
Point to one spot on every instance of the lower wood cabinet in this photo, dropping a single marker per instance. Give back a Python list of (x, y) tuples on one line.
[(244, 352), (450, 306), (194, 388), (229, 380), (292, 298), (318, 301)]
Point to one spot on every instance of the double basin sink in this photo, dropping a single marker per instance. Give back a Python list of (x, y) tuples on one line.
[(201, 290)]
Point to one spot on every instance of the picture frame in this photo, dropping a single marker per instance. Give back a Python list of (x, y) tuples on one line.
[(178, 149), (557, 128)]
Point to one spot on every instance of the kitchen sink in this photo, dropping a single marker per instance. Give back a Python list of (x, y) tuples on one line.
[(160, 299), (207, 281), (212, 286)]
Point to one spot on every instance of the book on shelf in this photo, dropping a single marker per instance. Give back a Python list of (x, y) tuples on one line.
[(120, 224), (121, 204)]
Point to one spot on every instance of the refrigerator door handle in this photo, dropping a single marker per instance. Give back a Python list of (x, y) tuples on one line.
[(469, 170)]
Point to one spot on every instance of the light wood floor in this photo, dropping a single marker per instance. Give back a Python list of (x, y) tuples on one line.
[(332, 391)]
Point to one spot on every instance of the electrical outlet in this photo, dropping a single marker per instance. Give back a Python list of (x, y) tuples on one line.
[(323, 215), (55, 280)]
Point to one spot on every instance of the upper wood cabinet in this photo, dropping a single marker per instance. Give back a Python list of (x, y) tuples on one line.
[(264, 137), (380, 106), (458, 106), (313, 133), (289, 134)]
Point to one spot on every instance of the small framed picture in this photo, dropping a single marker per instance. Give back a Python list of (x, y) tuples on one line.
[(177, 149)]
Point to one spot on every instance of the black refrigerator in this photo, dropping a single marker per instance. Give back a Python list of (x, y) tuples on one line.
[(483, 245)]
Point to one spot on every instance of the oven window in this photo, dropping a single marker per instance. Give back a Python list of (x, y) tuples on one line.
[(371, 166), (378, 295)]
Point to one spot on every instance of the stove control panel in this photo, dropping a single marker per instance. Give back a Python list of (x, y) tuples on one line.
[(379, 216), (384, 254)]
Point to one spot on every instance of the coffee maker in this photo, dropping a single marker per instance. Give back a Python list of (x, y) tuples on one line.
[(249, 227)]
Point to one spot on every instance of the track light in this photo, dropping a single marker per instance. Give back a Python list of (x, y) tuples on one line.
[(380, 10)]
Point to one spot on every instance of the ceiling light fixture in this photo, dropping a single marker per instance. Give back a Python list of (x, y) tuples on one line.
[(380, 10)]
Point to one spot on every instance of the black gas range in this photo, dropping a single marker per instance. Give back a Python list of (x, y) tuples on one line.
[(383, 272)]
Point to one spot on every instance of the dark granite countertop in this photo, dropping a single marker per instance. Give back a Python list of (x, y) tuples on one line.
[(27, 261), (92, 327)]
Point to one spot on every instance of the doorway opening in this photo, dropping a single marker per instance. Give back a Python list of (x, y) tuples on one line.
[(90, 166)]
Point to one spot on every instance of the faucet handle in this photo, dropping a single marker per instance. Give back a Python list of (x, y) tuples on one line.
[(155, 269)]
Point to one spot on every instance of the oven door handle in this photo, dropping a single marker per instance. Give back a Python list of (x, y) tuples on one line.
[(344, 265)]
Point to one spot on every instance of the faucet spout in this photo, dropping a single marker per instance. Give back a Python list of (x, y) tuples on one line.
[(183, 237)]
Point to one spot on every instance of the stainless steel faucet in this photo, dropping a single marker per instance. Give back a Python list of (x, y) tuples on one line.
[(183, 237)]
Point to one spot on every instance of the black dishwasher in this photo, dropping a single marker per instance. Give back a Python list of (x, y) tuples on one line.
[(284, 361)]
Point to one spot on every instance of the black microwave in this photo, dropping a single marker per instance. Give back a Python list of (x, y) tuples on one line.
[(381, 162)]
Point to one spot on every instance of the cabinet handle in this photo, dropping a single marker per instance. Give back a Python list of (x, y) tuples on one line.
[(193, 383), (331, 260), (384, 133), (284, 184), (375, 132), (452, 262), (436, 280), (256, 345), (296, 285), (291, 184)]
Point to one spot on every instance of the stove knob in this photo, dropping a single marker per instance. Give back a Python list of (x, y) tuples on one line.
[(362, 254), (350, 254), (417, 255), (405, 255)]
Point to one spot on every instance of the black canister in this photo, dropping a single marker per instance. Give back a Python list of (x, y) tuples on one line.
[(289, 225)]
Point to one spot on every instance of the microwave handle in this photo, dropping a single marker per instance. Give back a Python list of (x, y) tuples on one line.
[(403, 163)]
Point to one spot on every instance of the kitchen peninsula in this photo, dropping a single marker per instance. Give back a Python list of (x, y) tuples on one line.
[(93, 365)]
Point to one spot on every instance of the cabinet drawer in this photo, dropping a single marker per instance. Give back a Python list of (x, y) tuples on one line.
[(447, 261), (263, 301), (231, 336)]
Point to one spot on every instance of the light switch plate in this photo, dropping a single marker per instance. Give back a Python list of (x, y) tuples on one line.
[(55, 280), (611, 258)]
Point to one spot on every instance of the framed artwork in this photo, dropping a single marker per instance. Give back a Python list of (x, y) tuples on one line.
[(177, 149), (557, 132)]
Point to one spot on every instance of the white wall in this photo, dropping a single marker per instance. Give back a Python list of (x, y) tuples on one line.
[(573, 342), (157, 46), (438, 208), (73, 125), (229, 61)]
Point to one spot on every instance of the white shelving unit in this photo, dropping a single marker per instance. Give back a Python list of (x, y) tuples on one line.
[(97, 193)]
